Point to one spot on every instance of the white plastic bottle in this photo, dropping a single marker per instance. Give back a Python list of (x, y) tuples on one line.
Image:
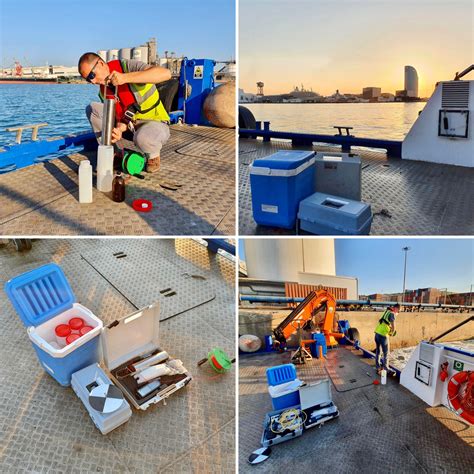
[(85, 182), (383, 375), (105, 168)]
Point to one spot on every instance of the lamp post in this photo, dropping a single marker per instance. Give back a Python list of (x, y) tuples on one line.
[(405, 249)]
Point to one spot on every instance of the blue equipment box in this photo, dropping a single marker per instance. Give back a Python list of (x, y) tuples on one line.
[(43, 299), (324, 214), (319, 341), (196, 81), (278, 183)]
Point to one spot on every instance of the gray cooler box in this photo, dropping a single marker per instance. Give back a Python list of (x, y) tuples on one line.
[(324, 214), (338, 174)]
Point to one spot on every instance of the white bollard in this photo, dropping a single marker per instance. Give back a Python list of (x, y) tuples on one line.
[(105, 168), (85, 182)]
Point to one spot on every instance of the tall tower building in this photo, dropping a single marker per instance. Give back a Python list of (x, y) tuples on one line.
[(411, 81)]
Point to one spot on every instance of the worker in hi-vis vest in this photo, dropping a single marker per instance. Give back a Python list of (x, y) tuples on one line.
[(385, 328), (138, 107)]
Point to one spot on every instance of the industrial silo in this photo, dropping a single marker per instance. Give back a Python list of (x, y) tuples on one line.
[(125, 53), (140, 53), (286, 259), (103, 54), (112, 54)]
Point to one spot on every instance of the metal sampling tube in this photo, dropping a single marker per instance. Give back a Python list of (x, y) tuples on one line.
[(108, 121)]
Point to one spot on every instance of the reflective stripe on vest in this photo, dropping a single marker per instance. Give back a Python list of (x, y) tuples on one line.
[(142, 99), (383, 328)]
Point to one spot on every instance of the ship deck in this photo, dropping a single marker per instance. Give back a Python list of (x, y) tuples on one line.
[(407, 197), (45, 427), (192, 194), (380, 428)]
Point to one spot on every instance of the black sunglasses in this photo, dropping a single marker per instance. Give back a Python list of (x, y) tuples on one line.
[(91, 75)]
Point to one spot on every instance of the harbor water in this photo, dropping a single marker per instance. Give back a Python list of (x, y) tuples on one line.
[(390, 120), (62, 106)]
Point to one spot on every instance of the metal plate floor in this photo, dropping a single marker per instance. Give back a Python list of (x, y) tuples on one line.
[(379, 429), (421, 198), (176, 289), (43, 199), (45, 428)]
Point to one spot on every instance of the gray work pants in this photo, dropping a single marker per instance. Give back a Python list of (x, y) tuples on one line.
[(149, 135)]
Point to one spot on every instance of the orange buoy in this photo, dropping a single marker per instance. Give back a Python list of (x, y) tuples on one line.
[(462, 401)]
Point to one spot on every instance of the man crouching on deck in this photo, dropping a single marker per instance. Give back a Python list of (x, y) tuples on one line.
[(138, 108)]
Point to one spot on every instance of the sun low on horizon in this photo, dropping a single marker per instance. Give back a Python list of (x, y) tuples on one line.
[(347, 45)]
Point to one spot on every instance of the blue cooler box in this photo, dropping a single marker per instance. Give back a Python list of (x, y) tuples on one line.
[(283, 386), (43, 299), (278, 183), (324, 214)]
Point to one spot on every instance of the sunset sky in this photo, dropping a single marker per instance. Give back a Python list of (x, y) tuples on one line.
[(351, 44)]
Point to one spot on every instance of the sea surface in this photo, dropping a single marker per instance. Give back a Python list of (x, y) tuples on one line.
[(390, 120), (62, 106)]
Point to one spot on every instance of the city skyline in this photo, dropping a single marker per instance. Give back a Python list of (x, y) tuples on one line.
[(33, 44), (350, 45)]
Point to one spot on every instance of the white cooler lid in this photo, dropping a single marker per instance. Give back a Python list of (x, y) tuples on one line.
[(284, 388), (135, 335), (315, 394)]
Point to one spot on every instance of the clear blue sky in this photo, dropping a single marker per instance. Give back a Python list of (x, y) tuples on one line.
[(378, 263), (59, 31)]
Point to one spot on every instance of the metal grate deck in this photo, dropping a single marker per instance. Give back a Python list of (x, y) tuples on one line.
[(43, 199), (422, 198), (379, 429), (45, 428)]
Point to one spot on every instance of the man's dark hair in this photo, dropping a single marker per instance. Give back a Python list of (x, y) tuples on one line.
[(396, 306), (89, 57)]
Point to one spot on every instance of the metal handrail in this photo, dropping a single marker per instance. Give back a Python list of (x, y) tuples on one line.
[(463, 73)]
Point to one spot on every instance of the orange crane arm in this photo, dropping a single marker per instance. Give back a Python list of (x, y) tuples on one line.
[(304, 312)]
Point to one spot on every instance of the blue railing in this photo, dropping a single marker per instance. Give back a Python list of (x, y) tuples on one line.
[(25, 154), (393, 147)]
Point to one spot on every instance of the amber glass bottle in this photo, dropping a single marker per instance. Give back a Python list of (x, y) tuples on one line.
[(118, 188)]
